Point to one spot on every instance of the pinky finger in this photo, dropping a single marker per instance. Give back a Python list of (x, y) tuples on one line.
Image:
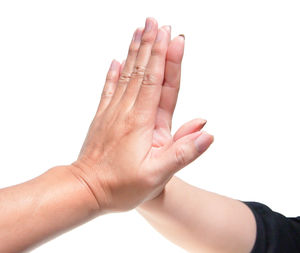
[(111, 81), (122, 66)]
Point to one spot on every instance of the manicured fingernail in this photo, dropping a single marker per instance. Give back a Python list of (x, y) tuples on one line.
[(149, 25), (113, 65), (138, 35), (182, 35), (159, 35), (203, 142)]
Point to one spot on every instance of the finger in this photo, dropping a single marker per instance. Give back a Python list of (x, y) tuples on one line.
[(109, 86), (128, 66), (149, 94), (192, 126), (122, 66), (185, 150), (141, 62), (170, 88), (167, 28)]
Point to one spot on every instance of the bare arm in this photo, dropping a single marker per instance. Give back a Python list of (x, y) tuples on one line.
[(126, 158), (201, 221), (42, 208), (196, 220)]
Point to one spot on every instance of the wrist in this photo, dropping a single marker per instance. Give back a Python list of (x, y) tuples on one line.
[(159, 201), (51, 203), (75, 181), (86, 175)]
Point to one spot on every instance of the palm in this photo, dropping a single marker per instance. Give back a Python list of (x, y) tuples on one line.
[(162, 137), (162, 132)]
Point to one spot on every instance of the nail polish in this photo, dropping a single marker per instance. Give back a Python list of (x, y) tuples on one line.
[(182, 35)]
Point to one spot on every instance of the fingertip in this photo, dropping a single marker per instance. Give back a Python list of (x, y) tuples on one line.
[(203, 141), (181, 36), (201, 121), (150, 19), (167, 28), (140, 29), (208, 135), (212, 138), (122, 65), (138, 34), (114, 65), (151, 25), (180, 39), (176, 50)]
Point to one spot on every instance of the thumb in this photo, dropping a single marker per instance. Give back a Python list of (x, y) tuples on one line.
[(185, 150), (189, 127)]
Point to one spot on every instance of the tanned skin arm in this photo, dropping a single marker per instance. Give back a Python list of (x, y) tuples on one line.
[(125, 159)]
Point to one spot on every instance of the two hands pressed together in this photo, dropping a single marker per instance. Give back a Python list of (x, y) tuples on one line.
[(128, 160), (129, 154)]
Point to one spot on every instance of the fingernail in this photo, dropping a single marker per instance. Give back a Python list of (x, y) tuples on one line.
[(159, 35), (138, 35), (167, 28), (149, 25), (203, 142), (182, 35), (113, 65)]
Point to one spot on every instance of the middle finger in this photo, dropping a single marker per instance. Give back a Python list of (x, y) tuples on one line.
[(144, 53)]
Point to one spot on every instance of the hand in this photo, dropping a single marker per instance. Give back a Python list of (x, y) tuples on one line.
[(129, 154)]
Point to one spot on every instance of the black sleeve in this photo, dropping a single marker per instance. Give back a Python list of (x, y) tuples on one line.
[(275, 232)]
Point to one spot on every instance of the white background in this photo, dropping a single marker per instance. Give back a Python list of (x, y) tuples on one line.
[(241, 72)]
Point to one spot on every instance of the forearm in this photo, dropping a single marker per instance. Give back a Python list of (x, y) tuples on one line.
[(42, 208), (201, 221)]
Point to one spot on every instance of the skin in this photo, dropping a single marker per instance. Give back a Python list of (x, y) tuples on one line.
[(128, 155), (192, 218), (201, 221)]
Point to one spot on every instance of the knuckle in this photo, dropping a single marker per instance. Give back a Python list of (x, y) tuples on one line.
[(146, 41), (151, 79), (124, 77), (158, 50), (180, 157), (107, 93), (173, 84), (138, 71), (132, 51)]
